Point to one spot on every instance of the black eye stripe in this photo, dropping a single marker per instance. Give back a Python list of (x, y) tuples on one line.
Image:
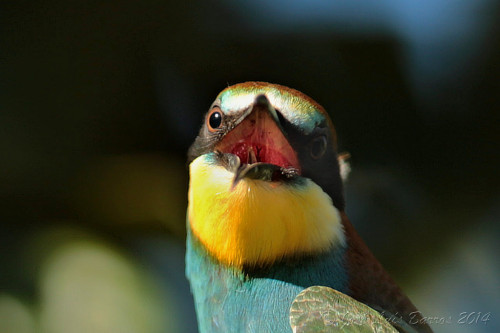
[(280, 117)]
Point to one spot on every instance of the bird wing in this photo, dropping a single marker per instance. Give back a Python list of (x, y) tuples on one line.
[(370, 283), (323, 309)]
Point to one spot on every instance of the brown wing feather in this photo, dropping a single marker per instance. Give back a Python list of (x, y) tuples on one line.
[(371, 284)]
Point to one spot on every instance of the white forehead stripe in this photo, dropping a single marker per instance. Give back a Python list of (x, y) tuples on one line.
[(296, 110)]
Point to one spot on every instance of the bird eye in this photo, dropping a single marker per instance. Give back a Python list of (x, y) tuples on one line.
[(318, 147), (214, 119)]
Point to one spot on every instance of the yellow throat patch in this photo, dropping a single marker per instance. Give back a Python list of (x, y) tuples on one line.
[(258, 222)]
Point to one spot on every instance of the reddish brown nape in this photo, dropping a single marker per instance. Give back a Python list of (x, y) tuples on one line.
[(259, 139)]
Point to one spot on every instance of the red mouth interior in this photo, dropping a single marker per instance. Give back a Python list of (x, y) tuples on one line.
[(259, 139)]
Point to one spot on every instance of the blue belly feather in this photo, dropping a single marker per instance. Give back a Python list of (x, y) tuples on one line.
[(230, 300)]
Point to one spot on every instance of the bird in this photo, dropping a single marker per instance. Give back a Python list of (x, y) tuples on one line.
[(266, 218)]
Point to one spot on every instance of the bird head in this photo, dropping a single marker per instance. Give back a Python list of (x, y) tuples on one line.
[(262, 150), (274, 133)]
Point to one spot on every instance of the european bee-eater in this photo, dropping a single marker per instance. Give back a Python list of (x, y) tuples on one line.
[(266, 216)]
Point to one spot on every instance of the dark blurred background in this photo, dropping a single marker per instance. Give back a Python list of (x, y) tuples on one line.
[(99, 101)]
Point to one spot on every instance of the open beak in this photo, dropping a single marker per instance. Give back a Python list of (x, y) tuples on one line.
[(260, 144)]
